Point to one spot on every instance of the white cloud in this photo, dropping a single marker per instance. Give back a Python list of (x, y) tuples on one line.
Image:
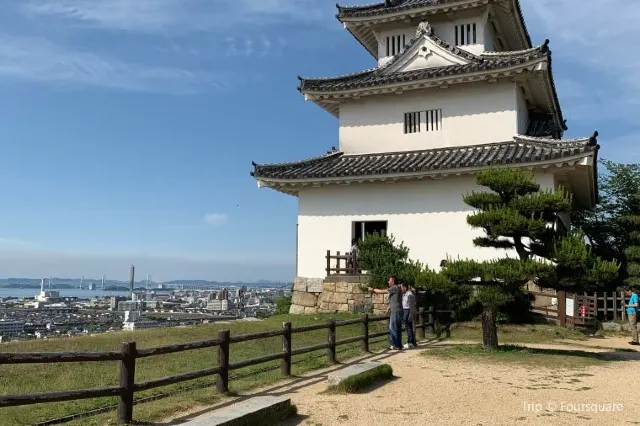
[(215, 219), (599, 37), (42, 46), (38, 60), (181, 16)]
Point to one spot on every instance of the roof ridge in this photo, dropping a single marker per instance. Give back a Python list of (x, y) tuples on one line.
[(544, 47), (338, 77), (310, 160), (591, 139)]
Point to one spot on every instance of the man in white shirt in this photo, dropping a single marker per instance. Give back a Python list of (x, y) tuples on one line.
[(409, 312)]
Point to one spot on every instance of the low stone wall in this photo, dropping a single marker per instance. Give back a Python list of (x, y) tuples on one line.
[(335, 294)]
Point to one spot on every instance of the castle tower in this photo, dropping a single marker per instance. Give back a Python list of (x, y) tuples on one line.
[(457, 87)]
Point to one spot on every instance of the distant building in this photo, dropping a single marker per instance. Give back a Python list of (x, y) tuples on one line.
[(46, 296), (223, 294), (11, 327), (132, 322), (219, 305), (129, 305)]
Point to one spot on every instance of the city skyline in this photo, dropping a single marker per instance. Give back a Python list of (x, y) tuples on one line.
[(129, 128)]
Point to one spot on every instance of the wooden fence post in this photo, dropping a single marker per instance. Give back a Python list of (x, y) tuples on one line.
[(364, 329), (328, 262), (432, 319), (331, 350), (223, 361), (419, 327), (285, 366), (562, 307), (127, 382)]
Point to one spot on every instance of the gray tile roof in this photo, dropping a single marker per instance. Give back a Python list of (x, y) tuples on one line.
[(336, 164), (485, 62), (392, 6), (377, 77)]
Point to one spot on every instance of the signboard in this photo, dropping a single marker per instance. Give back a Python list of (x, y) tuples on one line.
[(569, 306)]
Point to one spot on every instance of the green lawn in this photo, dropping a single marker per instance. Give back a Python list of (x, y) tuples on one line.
[(32, 378), (529, 333), (551, 358)]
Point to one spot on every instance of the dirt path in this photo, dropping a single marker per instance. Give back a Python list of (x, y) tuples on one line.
[(441, 392), (433, 391)]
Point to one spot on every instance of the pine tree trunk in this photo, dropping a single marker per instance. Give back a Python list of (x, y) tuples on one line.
[(489, 330)]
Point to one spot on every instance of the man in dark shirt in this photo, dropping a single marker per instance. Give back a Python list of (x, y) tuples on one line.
[(395, 308)]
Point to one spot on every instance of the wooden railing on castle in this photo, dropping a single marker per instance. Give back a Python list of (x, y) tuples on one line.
[(129, 353), (581, 309), (342, 264)]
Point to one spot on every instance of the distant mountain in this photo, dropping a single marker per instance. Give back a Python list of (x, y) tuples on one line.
[(14, 282)]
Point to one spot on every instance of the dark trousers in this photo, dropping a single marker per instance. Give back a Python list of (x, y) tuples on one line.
[(395, 329), (408, 324)]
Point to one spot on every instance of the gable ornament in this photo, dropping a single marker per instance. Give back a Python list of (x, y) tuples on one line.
[(424, 28)]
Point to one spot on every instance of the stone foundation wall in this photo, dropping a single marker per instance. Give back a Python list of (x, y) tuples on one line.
[(335, 294)]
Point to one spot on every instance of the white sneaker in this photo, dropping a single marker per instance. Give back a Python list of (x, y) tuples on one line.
[(409, 345)]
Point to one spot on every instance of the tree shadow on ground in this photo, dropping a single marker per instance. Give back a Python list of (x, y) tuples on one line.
[(289, 386)]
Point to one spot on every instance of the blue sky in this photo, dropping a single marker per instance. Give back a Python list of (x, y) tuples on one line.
[(128, 127)]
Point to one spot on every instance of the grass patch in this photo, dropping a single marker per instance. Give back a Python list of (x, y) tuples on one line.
[(362, 380), (551, 358), (27, 378), (507, 333)]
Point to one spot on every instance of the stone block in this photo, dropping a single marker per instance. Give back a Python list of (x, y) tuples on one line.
[(336, 377), (308, 310), (314, 285), (340, 297), (355, 288), (300, 284), (342, 287), (625, 327), (246, 412), (296, 309), (332, 307), (357, 297), (331, 287), (378, 298), (380, 306), (611, 326), (303, 298), (343, 307)]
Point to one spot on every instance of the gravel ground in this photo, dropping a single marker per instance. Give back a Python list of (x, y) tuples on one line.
[(430, 391), (433, 391)]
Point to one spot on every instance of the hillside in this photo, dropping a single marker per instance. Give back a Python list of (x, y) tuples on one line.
[(68, 376)]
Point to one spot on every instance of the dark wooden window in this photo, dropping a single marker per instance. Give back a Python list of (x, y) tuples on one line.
[(361, 229), (432, 121), (465, 34), (395, 44), (412, 122)]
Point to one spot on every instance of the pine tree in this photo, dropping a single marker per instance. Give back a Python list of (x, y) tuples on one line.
[(517, 216), (632, 252)]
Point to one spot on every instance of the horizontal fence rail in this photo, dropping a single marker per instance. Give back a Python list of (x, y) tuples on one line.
[(588, 308), (129, 354)]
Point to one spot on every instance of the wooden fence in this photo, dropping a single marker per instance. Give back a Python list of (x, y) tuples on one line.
[(128, 355), (342, 264), (588, 308)]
